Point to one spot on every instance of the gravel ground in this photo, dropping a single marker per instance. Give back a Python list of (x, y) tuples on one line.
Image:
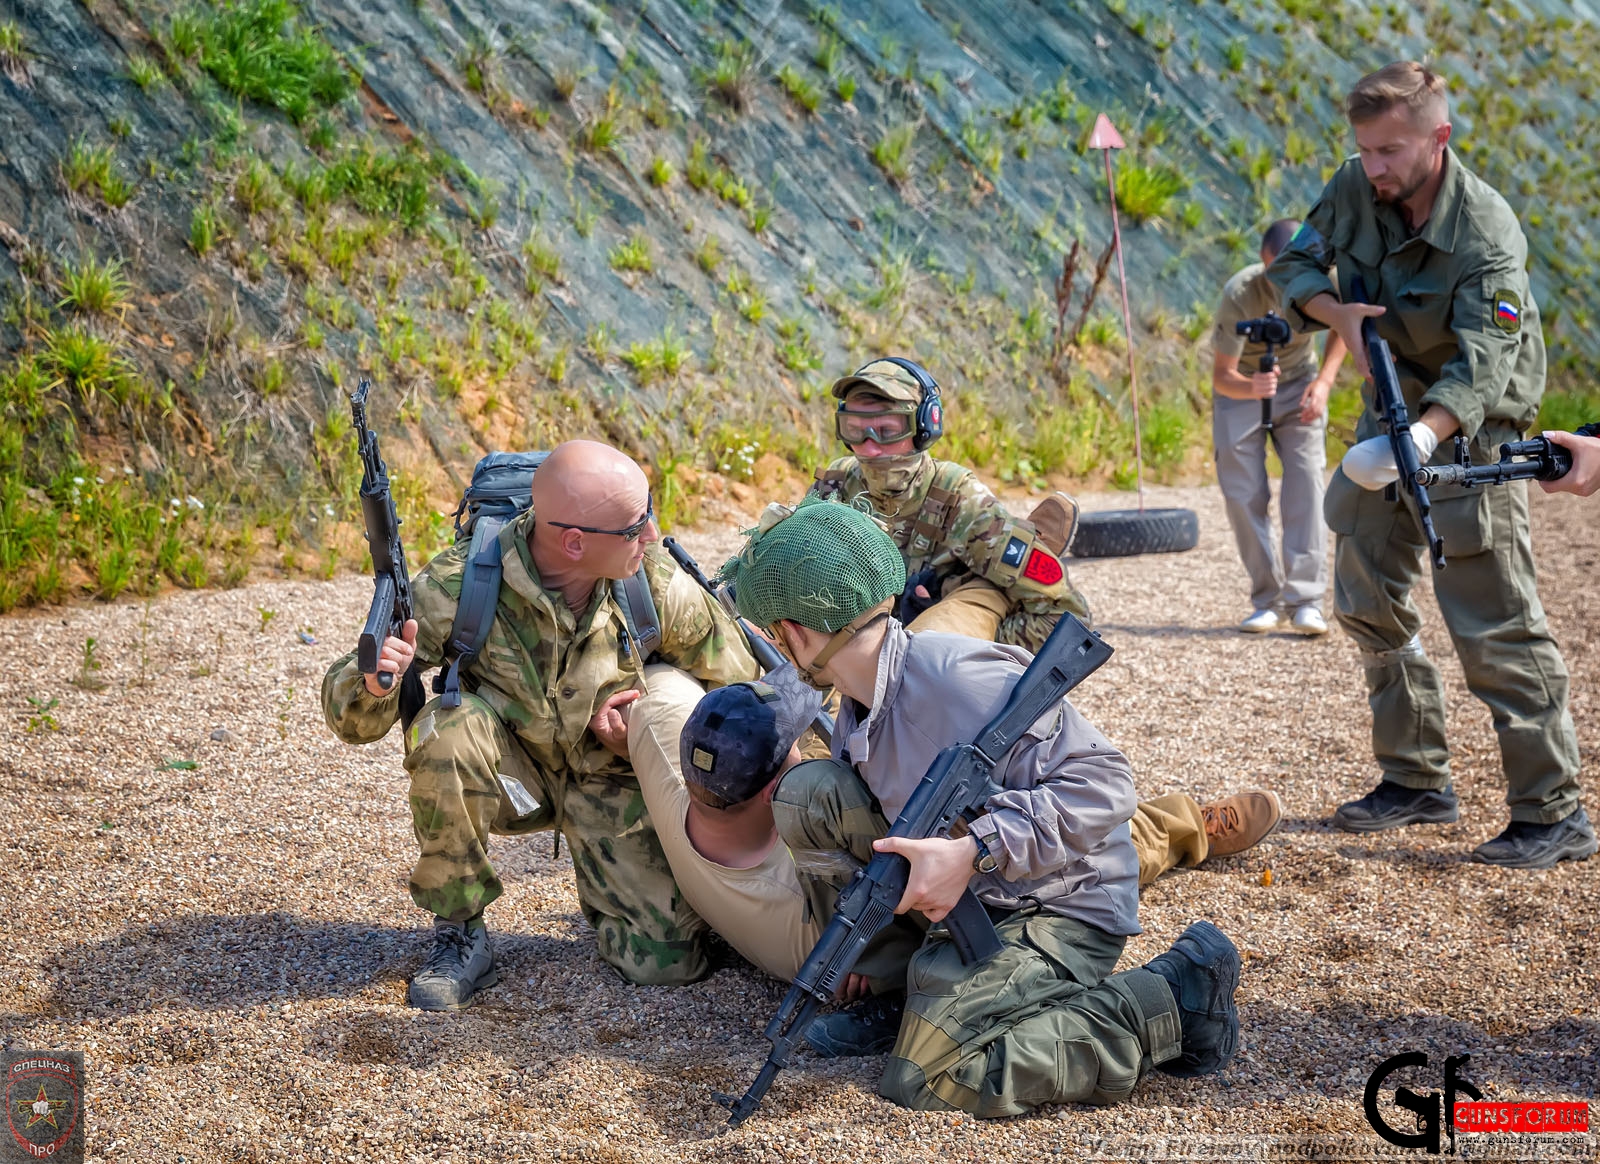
[(222, 923)]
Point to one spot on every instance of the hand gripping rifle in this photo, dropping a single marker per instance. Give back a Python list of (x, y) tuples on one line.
[(956, 787), (1535, 459), (1391, 407), (391, 595), (1274, 331), (766, 654)]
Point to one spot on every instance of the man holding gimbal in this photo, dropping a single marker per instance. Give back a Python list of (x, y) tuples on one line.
[(1445, 261), (1279, 393)]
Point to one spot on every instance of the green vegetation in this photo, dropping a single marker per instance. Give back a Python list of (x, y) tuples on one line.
[(90, 171), (1146, 192), (801, 89), (633, 255), (94, 288), (663, 357), (263, 51), (893, 152), (145, 73), (661, 172), (732, 78)]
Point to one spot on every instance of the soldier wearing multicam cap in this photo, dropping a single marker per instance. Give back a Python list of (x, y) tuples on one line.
[(1044, 1020), (540, 739), (974, 569), (981, 571), (1445, 264)]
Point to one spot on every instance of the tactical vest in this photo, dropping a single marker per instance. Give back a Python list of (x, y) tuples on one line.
[(929, 528)]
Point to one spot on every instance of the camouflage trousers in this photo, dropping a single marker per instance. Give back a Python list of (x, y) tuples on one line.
[(1043, 1021), (471, 778)]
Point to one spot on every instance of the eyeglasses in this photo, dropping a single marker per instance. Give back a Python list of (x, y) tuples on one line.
[(884, 427), (627, 533)]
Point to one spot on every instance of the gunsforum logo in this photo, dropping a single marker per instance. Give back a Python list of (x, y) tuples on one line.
[(44, 1105), (1433, 1112)]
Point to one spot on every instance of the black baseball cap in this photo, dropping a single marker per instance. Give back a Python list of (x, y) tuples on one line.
[(738, 736)]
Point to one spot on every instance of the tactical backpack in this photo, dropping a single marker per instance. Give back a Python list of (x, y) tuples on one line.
[(500, 490)]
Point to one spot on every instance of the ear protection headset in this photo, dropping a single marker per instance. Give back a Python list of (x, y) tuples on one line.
[(930, 413)]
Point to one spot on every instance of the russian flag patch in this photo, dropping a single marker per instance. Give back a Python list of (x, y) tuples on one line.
[(1507, 311)]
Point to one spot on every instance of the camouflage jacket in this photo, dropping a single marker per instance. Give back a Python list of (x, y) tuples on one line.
[(949, 520), (543, 670)]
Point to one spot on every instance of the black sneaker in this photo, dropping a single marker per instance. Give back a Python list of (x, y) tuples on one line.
[(1392, 806), (1203, 970), (1539, 846), (870, 1027), (462, 964)]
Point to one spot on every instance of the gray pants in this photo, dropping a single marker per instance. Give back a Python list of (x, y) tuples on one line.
[(1241, 452)]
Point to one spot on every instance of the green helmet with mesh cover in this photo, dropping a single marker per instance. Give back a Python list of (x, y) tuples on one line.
[(821, 565)]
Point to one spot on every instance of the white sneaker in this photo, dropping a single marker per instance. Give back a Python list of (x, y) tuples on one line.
[(1260, 622), (1308, 620)]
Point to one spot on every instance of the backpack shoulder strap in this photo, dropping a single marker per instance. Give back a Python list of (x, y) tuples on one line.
[(639, 609), (480, 594)]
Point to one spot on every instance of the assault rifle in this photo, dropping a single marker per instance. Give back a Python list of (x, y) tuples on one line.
[(1274, 331), (766, 654), (956, 788), (1391, 406), (391, 594), (1535, 459)]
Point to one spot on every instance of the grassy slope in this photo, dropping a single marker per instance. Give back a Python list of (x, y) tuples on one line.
[(527, 221)]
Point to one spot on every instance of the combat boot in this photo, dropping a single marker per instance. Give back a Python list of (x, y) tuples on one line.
[(1203, 970), (1238, 822), (1525, 845), (1392, 806), (870, 1027), (462, 964), (1056, 519)]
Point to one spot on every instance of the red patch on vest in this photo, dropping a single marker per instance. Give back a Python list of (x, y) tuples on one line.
[(1043, 568)]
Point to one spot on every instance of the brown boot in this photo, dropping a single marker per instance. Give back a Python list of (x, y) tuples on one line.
[(1056, 519), (1235, 823)]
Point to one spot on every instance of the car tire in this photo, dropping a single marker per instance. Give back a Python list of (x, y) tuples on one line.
[(1121, 533)]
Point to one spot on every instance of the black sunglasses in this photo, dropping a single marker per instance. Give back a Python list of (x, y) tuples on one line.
[(628, 533)]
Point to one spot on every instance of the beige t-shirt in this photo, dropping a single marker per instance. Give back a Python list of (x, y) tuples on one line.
[(1250, 295), (760, 911)]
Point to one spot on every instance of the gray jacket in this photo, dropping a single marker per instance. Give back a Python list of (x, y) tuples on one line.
[(1059, 827)]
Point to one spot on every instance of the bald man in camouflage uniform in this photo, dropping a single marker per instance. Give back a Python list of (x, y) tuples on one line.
[(976, 570), (534, 744)]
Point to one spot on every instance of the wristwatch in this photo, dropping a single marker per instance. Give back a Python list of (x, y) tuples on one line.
[(984, 862)]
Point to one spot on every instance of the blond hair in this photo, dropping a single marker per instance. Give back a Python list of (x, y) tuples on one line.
[(1410, 85)]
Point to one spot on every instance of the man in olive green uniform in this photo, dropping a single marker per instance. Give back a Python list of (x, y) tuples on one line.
[(1044, 1020), (1443, 260), (1296, 391), (973, 569), (539, 739)]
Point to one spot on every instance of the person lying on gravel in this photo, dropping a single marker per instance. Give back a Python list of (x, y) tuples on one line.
[(1045, 1020), (539, 740), (974, 569)]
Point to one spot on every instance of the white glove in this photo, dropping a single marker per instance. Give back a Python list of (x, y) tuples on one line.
[(1370, 464)]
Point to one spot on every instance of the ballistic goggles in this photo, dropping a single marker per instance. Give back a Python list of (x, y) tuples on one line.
[(885, 427)]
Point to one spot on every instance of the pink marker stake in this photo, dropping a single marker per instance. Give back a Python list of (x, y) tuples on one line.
[(1105, 137)]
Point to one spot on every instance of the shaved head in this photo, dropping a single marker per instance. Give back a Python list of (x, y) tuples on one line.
[(586, 483)]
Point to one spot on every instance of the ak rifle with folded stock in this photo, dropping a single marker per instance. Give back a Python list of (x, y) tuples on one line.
[(956, 788), (391, 581), (1391, 406)]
